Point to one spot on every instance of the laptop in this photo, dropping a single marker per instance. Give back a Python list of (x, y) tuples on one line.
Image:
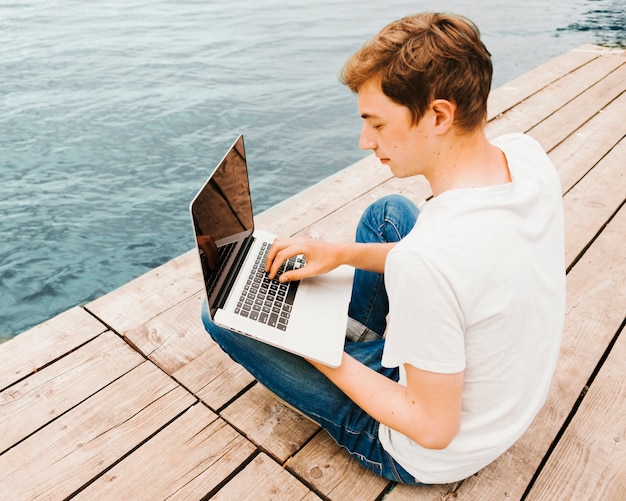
[(307, 318)]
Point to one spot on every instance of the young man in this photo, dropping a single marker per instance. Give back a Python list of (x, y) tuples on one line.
[(456, 315)]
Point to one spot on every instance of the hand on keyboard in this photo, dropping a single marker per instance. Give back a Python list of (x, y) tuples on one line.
[(321, 257), (267, 300)]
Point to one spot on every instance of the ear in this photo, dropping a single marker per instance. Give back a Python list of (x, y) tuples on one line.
[(444, 111)]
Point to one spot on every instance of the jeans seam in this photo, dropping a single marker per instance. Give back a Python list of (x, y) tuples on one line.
[(370, 464), (392, 224), (392, 467), (347, 430), (362, 458)]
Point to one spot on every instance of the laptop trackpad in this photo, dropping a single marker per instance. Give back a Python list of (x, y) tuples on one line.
[(340, 278), (333, 288)]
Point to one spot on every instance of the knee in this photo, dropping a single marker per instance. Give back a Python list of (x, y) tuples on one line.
[(398, 206), (388, 219)]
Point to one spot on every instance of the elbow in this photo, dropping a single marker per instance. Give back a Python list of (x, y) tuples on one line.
[(437, 439), (437, 443)]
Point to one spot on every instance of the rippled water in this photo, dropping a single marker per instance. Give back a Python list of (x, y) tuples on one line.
[(113, 111)]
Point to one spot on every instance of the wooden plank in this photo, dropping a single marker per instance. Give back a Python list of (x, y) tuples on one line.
[(69, 452), (511, 93), (268, 423), (402, 492), (341, 225), (554, 129), (136, 302), (334, 473), (174, 337), (589, 462), (33, 349), (575, 156), (214, 377), (527, 114), (47, 394), (595, 310), (264, 479), (591, 203), (186, 460)]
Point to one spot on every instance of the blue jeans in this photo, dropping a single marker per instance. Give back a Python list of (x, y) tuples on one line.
[(298, 383)]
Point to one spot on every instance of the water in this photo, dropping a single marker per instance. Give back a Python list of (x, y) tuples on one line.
[(112, 111)]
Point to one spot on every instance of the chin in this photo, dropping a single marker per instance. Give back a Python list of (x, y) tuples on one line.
[(397, 172), (403, 174)]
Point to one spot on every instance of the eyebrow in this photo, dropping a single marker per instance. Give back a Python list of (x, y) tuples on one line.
[(365, 116)]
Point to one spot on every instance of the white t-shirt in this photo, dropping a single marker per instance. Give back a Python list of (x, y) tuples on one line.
[(479, 285)]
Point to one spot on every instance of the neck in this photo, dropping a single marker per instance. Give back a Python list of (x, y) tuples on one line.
[(467, 160)]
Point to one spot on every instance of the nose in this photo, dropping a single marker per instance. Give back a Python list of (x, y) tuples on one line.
[(365, 141)]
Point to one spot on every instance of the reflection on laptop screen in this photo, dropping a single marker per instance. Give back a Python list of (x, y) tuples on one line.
[(222, 214)]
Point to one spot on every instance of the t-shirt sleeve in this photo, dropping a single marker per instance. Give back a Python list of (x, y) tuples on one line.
[(425, 325)]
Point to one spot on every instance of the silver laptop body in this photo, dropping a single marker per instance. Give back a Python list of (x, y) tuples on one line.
[(307, 318)]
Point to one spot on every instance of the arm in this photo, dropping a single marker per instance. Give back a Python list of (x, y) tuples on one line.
[(322, 257), (427, 410)]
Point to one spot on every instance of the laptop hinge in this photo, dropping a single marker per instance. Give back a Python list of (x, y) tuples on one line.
[(234, 271)]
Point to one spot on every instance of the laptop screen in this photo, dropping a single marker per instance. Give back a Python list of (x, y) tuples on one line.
[(222, 218)]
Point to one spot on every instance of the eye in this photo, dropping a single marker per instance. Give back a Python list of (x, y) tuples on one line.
[(377, 126)]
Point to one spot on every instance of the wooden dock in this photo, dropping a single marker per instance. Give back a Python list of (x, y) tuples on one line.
[(127, 397)]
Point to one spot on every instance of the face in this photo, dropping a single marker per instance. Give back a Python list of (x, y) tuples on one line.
[(389, 132)]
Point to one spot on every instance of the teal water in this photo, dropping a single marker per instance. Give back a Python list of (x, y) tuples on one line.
[(112, 112)]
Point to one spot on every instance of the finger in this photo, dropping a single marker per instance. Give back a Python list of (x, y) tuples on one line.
[(282, 253), (294, 275), (271, 255)]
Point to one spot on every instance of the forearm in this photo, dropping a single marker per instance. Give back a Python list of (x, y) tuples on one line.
[(380, 397), (395, 405), (369, 257)]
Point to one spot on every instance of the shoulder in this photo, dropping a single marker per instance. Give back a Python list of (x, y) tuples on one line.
[(516, 139), (518, 146), (527, 159)]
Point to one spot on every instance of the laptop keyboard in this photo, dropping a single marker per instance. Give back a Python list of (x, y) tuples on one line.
[(269, 301)]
